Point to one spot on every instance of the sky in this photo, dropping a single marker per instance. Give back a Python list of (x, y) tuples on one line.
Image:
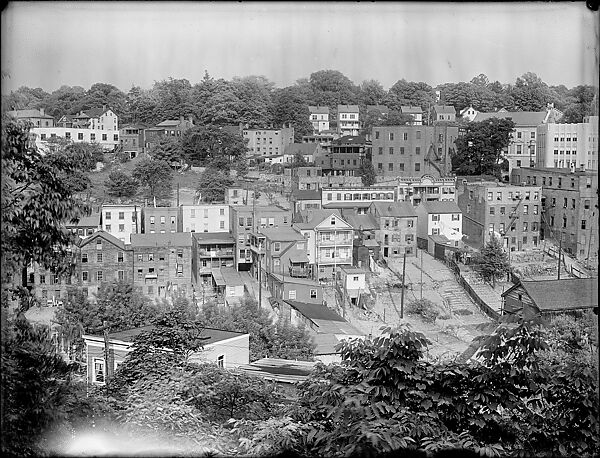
[(50, 44)]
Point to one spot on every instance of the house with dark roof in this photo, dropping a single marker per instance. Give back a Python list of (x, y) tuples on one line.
[(443, 113), (397, 232), (212, 250), (227, 349), (38, 118), (295, 288), (549, 298), (86, 225), (303, 199), (167, 128), (441, 220), (132, 139), (415, 111), (96, 118), (284, 252), (306, 150), (365, 245), (327, 327), (284, 372)]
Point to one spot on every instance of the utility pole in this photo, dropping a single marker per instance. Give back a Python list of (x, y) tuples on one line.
[(403, 286), (421, 274), (559, 251), (107, 359), (177, 194)]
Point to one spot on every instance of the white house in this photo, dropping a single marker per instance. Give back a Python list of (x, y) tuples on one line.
[(415, 112), (354, 281), (121, 220), (319, 118), (348, 120), (205, 218), (107, 139), (468, 113), (442, 218)]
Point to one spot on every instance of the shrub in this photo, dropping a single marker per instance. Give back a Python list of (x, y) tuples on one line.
[(428, 311), (463, 312)]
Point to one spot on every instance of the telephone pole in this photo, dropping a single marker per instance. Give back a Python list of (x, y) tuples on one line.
[(559, 251), (421, 274), (403, 286)]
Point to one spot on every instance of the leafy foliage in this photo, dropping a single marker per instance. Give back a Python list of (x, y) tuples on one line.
[(213, 184), (479, 150), (120, 184), (367, 174), (155, 175), (212, 146), (424, 308), (492, 262)]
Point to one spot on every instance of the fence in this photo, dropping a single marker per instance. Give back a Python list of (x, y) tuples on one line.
[(471, 292)]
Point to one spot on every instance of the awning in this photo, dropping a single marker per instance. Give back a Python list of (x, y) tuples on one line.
[(298, 257), (218, 277)]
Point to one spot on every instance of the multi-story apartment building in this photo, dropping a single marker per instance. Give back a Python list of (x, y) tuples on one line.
[(284, 252), (246, 220), (38, 118), (323, 139), (329, 242), (121, 220), (568, 145), (443, 219), (421, 189), (443, 113), (569, 208), (522, 149), (132, 139), (358, 197), (511, 212), (204, 218), (415, 112), (409, 151), (319, 118), (348, 120), (107, 139), (397, 228), (304, 199), (86, 225), (211, 251), (268, 142), (162, 264), (160, 220), (97, 118), (308, 151), (345, 156), (303, 178), (169, 128)]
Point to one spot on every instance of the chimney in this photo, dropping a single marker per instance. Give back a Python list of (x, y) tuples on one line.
[(103, 108), (181, 118), (42, 111)]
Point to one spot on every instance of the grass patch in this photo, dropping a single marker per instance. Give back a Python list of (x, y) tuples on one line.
[(463, 312)]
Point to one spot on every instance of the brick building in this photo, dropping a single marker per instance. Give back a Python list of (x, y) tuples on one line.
[(397, 228), (160, 220), (211, 252)]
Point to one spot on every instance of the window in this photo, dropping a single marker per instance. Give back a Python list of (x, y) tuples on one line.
[(418, 135), (80, 136), (491, 227), (518, 163), (565, 200), (519, 149), (390, 167), (376, 135), (150, 256), (519, 134), (313, 293), (104, 138), (435, 217), (391, 150), (379, 166), (221, 224), (402, 150), (241, 221), (221, 360), (107, 227), (583, 224), (526, 209), (573, 203), (417, 166), (277, 246), (116, 137), (535, 209), (525, 226), (586, 204), (99, 276), (410, 223), (490, 195), (120, 256), (121, 228), (84, 276), (98, 257), (84, 257), (527, 195), (98, 371), (292, 294), (418, 150), (391, 136), (107, 215), (405, 136), (120, 275)]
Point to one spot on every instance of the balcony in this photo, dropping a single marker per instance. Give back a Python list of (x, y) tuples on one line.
[(216, 253), (324, 261), (298, 272), (257, 250), (332, 242)]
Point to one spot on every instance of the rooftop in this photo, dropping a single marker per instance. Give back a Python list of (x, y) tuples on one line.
[(410, 109), (347, 108), (441, 207), (28, 114), (280, 370), (204, 238), (360, 222), (281, 234), (318, 109), (565, 294), (396, 209), (315, 311), (214, 335), (295, 280), (351, 140), (103, 235), (380, 108), (302, 148), (446, 109), (306, 194), (87, 221), (520, 118), (162, 240)]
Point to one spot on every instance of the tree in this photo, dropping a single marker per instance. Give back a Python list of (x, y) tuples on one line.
[(267, 339), (213, 184), (479, 150), (582, 101), (209, 145), (172, 99), (299, 160), (167, 149), (492, 261), (120, 184), (530, 93), (371, 92), (367, 174), (290, 105), (256, 102), (410, 93), (155, 175), (215, 102), (36, 201)]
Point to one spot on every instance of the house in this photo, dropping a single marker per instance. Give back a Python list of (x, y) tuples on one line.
[(306, 150), (263, 142), (38, 118), (97, 118), (415, 112), (86, 225), (162, 264), (493, 209), (121, 220), (348, 120), (239, 196), (354, 283), (319, 118), (329, 241), (439, 219), (444, 113), (228, 284), (468, 113), (345, 155), (227, 349), (365, 246), (210, 218), (284, 372), (549, 298), (108, 140), (327, 328), (283, 251), (414, 150), (397, 232), (306, 177), (168, 128), (132, 139), (417, 189), (565, 146), (295, 288), (568, 208), (66, 121), (211, 251), (160, 220), (303, 199)]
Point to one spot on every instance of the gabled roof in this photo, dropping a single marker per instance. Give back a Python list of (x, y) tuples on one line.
[(281, 234), (381, 108), (361, 222), (520, 118), (172, 123), (96, 112), (306, 194), (295, 280), (302, 148), (316, 217), (347, 108), (558, 295), (315, 311), (86, 221), (465, 109), (447, 206), (395, 209), (410, 109), (446, 109), (105, 236), (183, 239), (28, 114), (318, 109)]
